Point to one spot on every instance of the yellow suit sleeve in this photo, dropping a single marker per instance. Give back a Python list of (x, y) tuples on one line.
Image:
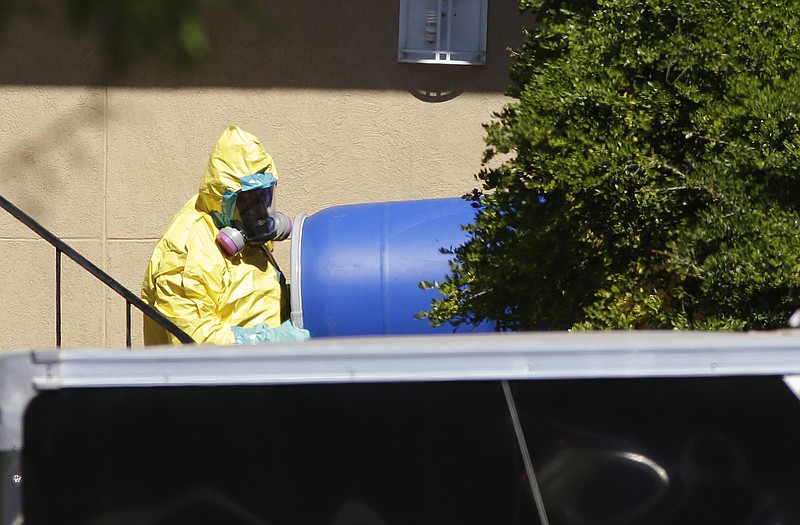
[(181, 300), (188, 280)]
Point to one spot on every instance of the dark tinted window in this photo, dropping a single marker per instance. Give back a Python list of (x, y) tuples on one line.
[(366, 454), (9, 486), (664, 451)]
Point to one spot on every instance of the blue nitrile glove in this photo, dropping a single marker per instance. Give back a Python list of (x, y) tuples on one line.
[(261, 333)]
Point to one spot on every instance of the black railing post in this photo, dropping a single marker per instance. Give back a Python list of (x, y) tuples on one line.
[(58, 298), (128, 324)]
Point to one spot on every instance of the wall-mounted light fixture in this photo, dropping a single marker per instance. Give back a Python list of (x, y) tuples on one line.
[(443, 31)]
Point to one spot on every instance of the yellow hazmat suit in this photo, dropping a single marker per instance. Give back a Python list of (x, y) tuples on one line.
[(190, 280)]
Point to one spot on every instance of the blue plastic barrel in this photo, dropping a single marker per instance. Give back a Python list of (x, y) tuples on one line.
[(356, 269)]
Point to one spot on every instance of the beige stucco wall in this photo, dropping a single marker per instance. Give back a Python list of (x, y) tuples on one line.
[(105, 164)]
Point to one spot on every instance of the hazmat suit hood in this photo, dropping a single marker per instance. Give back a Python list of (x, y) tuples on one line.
[(236, 154)]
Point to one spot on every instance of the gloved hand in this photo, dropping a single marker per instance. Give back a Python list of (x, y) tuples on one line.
[(261, 333)]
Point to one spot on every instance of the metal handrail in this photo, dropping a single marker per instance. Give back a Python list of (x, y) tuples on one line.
[(83, 262)]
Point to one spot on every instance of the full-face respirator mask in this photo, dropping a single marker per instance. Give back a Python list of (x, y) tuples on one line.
[(248, 216)]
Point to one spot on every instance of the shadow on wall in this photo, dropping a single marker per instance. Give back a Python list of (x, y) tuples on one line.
[(56, 155), (342, 44)]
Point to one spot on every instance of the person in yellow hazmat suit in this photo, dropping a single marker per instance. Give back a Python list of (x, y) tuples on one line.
[(212, 273)]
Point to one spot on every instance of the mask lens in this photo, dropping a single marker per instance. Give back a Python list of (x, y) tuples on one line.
[(254, 210)]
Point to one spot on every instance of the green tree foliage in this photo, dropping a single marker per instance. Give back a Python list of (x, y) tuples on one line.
[(174, 31), (173, 28), (651, 177)]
